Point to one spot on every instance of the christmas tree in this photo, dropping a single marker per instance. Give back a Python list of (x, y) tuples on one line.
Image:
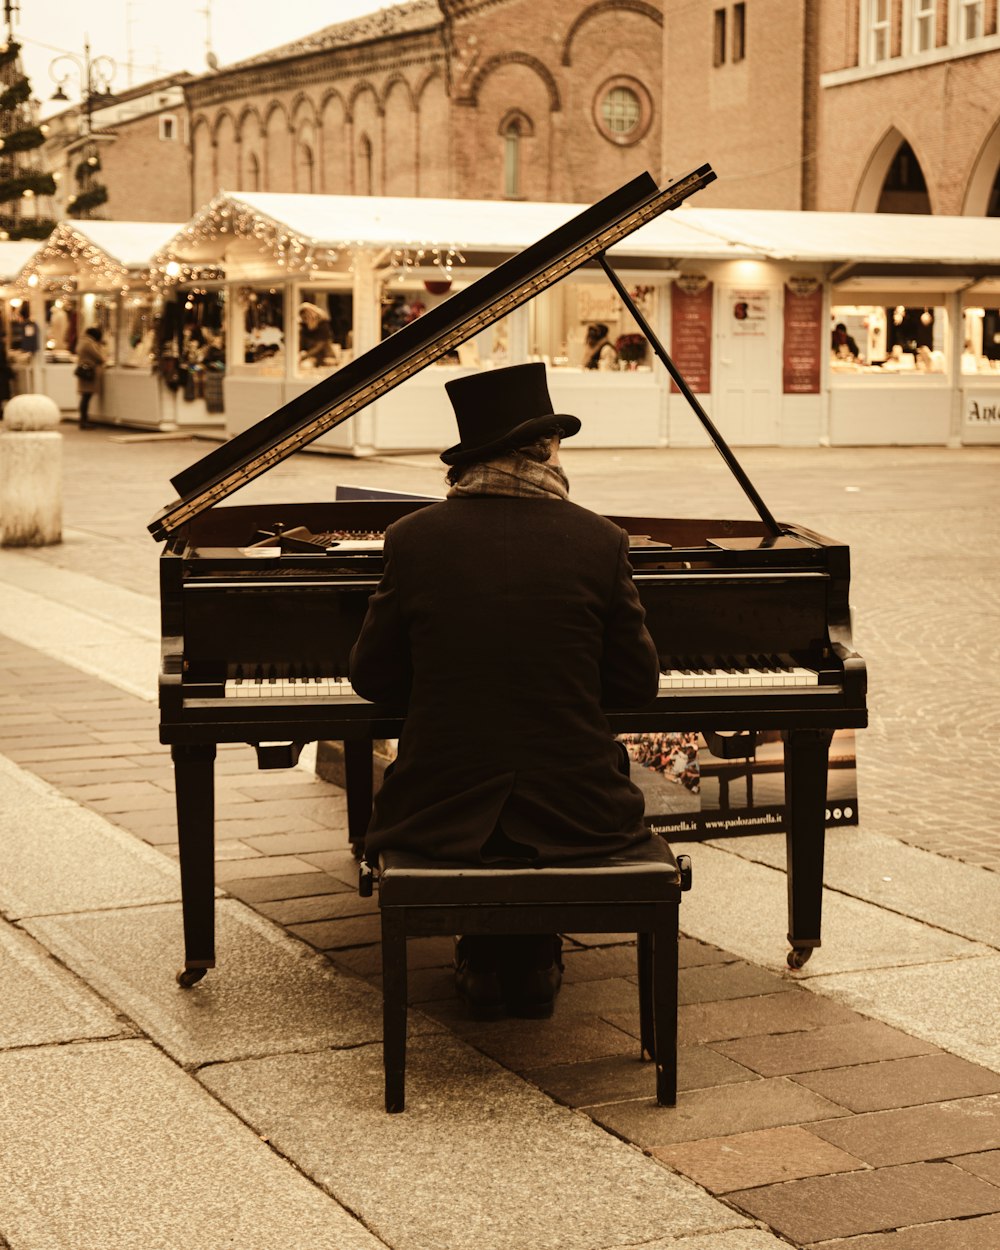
[(22, 178)]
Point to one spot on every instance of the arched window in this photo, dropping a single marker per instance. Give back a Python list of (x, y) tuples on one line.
[(904, 189), (365, 184), (512, 158), (253, 172), (304, 169)]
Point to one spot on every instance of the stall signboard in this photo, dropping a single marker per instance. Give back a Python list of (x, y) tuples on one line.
[(691, 331), (749, 312), (803, 341), (690, 794), (982, 408)]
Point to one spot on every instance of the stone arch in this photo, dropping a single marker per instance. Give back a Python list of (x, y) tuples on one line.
[(366, 124), (364, 165), (870, 187), (300, 105), (424, 82), (277, 149), (202, 162), (361, 90), (226, 152), (434, 156), (221, 117), (517, 58), (515, 125), (335, 177), (527, 126), (250, 147), (397, 81), (400, 139), (602, 6), (982, 195)]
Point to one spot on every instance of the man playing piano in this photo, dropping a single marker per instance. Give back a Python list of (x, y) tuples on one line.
[(506, 621)]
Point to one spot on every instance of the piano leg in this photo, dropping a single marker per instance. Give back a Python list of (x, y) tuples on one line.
[(194, 783), (806, 761), (358, 757)]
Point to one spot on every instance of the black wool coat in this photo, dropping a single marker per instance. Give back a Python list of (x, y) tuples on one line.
[(506, 626)]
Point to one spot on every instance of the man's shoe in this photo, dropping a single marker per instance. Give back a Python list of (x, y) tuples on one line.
[(531, 976), (477, 980)]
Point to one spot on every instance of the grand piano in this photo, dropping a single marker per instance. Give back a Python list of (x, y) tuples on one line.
[(262, 603)]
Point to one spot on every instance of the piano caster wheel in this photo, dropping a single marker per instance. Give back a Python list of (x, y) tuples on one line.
[(187, 977), (798, 956), (358, 850)]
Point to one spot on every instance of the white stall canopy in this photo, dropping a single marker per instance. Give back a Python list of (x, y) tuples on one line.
[(95, 255)]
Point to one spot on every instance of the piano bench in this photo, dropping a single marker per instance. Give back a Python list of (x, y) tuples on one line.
[(636, 891)]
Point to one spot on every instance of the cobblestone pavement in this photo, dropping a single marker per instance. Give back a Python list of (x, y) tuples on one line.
[(827, 1126)]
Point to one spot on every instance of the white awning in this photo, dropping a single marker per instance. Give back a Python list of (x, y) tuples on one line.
[(14, 255)]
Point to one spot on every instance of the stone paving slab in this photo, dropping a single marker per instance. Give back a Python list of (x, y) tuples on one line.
[(829, 1046), (986, 1165), (742, 906), (479, 1159), (724, 1111), (269, 993), (826, 1207), (110, 1145), (620, 1077), (901, 1082), (788, 1012), (912, 1134), (982, 1233), (732, 1239), (42, 1001), (98, 865), (955, 1005), (747, 1160), (901, 878)]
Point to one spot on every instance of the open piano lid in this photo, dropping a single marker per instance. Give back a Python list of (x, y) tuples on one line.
[(337, 397)]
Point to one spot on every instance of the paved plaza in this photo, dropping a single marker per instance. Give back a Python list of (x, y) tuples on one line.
[(823, 1108)]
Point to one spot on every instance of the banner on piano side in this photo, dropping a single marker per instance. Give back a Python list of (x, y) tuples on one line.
[(691, 794)]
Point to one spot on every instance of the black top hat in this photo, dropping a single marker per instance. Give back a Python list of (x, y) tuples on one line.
[(503, 408)]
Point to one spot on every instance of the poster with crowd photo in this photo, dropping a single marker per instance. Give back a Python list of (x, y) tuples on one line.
[(802, 344), (691, 331), (692, 794)]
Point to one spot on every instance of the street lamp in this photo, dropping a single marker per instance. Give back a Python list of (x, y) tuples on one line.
[(95, 74)]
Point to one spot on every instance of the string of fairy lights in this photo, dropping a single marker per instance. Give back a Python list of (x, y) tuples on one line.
[(69, 261)]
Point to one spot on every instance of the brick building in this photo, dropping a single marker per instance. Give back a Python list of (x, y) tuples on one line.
[(468, 98), (798, 104), (140, 139), (841, 105)]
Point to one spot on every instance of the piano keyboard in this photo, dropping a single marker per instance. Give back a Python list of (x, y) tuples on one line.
[(735, 672), (756, 672), (269, 685)]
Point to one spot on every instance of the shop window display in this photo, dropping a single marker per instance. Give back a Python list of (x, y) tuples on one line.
[(981, 350), (583, 325), (888, 341), (141, 324), (192, 353), (264, 330), (325, 329), (100, 312), (61, 329)]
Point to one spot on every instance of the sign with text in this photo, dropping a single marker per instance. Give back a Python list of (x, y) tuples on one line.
[(691, 331), (982, 408), (749, 312), (803, 342), (691, 795)]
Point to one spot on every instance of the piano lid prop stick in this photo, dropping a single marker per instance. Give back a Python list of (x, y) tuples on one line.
[(762, 509)]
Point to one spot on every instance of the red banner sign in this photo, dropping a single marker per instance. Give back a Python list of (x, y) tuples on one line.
[(691, 331), (803, 343)]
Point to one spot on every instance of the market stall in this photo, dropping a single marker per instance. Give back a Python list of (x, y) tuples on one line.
[(312, 280), (19, 348), (796, 328), (912, 328), (96, 275)]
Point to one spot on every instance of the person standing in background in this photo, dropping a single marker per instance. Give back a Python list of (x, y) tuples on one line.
[(90, 362)]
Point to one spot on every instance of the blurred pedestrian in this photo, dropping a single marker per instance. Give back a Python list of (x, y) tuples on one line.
[(90, 361), (6, 376)]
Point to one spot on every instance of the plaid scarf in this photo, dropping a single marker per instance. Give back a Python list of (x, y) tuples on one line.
[(512, 474)]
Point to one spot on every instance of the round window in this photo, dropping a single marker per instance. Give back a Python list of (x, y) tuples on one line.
[(623, 110)]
